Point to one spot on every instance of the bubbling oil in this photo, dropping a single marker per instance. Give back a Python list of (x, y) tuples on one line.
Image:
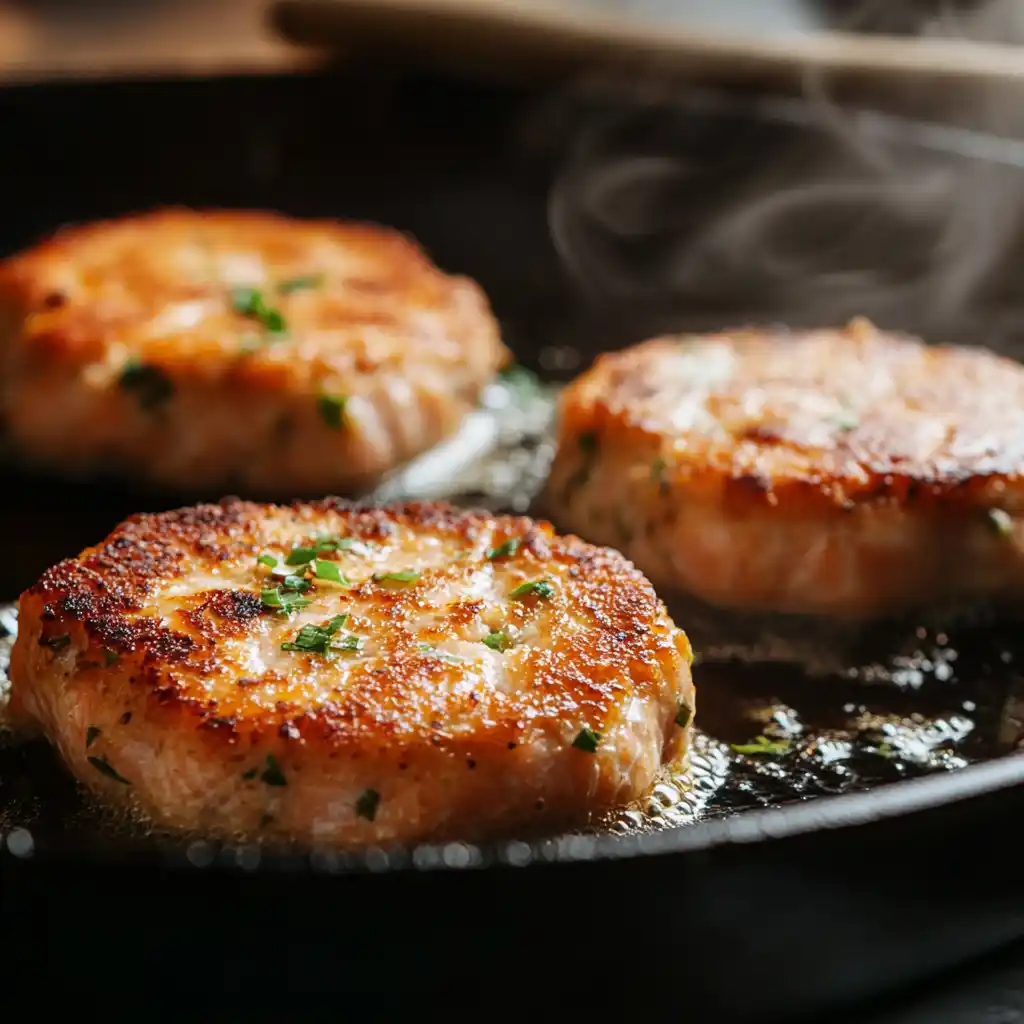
[(769, 733)]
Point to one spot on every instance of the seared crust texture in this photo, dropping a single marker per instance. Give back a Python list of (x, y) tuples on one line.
[(242, 351), (451, 702), (851, 473)]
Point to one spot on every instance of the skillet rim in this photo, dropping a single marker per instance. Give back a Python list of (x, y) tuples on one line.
[(894, 800)]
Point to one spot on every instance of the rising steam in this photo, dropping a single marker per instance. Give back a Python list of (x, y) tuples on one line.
[(680, 209)]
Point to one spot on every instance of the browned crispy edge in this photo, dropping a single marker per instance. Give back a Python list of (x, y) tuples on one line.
[(95, 593), (932, 487)]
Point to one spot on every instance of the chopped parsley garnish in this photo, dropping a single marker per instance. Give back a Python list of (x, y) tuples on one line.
[(56, 643), (763, 745), (324, 543), (847, 419), (250, 774), (104, 767), (251, 303), (453, 659), (268, 560), (148, 383), (498, 640), (325, 570), (367, 804), (109, 656), (90, 735), (683, 715), (317, 639), (328, 542), (886, 750), (332, 410), (410, 576), (1000, 522), (351, 642), (272, 774), (300, 556), (506, 550), (301, 283), (536, 588), (296, 584), (588, 443), (587, 739), (282, 600)]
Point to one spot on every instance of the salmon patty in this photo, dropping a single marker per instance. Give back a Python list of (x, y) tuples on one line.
[(851, 475), (342, 675), (204, 351)]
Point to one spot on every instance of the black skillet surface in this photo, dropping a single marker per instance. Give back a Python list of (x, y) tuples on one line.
[(769, 914)]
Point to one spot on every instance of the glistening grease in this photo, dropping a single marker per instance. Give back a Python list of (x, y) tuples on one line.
[(768, 736)]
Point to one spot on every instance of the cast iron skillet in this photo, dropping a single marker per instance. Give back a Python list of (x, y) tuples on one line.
[(770, 914)]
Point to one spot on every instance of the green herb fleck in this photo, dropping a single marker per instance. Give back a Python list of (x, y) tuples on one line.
[(296, 584), (367, 804), (250, 774), (268, 560), (332, 410), (537, 588), (324, 543), (506, 550), (847, 419), (90, 735), (410, 576), (763, 745), (351, 642), (886, 750), (282, 600), (498, 640), (272, 774), (148, 383), (251, 303), (453, 659), (315, 639), (1000, 522), (301, 283), (587, 739), (104, 767), (325, 570), (300, 556), (684, 715), (109, 656), (329, 542), (658, 468), (56, 643)]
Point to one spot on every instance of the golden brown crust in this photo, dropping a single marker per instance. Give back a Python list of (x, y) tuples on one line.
[(164, 619), (364, 315), (816, 419), (107, 588), (848, 473)]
